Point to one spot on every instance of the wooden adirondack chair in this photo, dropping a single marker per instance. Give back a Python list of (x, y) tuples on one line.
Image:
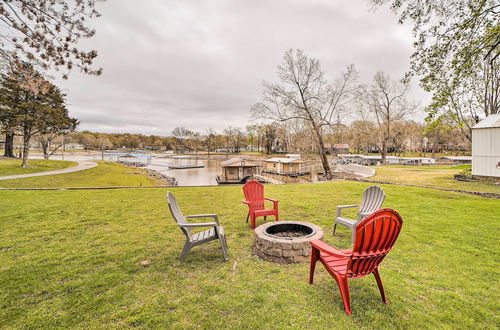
[(193, 239), (373, 197), (254, 198), (375, 237)]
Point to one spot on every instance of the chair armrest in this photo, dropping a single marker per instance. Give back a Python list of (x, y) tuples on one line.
[(204, 216), (364, 214), (275, 202), (340, 207), (323, 247), (346, 206), (246, 202), (201, 224)]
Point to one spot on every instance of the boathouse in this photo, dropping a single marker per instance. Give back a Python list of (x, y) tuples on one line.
[(289, 165), (235, 170)]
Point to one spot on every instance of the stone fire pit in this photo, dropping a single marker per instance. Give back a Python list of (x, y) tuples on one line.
[(285, 242)]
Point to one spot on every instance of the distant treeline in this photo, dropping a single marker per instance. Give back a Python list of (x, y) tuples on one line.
[(360, 136)]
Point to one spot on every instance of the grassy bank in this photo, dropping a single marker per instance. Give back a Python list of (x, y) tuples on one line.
[(433, 176), (107, 174), (10, 166), (73, 259)]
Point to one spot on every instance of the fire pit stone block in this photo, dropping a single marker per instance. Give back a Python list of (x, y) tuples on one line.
[(285, 250)]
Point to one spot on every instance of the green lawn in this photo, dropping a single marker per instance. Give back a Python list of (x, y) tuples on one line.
[(105, 175), (9, 166), (72, 259), (433, 176)]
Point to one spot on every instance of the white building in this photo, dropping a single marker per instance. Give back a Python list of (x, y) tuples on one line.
[(369, 160), (486, 147), (390, 160), (416, 161)]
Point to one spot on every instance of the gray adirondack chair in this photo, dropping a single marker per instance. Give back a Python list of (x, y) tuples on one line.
[(193, 239), (373, 197)]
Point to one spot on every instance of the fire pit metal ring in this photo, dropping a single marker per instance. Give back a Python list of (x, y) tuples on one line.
[(302, 230), (285, 241)]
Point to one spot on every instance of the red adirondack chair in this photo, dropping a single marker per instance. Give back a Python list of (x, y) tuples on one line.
[(254, 198), (375, 237)]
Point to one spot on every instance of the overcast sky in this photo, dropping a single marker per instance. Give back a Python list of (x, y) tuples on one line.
[(201, 64)]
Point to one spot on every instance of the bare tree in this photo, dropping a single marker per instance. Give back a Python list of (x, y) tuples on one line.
[(305, 95), (235, 138), (181, 136), (103, 142), (47, 32), (386, 101), (270, 137), (360, 135), (209, 140)]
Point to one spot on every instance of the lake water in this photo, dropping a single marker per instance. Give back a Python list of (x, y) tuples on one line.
[(189, 176), (185, 177)]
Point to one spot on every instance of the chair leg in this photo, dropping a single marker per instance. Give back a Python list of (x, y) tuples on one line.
[(185, 251), (276, 216), (334, 228), (252, 219), (353, 235), (380, 286), (223, 244), (314, 259), (265, 217), (248, 215), (346, 295)]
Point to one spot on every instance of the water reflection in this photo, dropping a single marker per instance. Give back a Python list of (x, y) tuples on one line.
[(185, 177), (191, 176)]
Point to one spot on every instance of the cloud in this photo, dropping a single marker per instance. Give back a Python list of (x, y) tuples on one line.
[(201, 64)]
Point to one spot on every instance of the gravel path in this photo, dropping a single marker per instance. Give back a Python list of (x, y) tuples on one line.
[(82, 166)]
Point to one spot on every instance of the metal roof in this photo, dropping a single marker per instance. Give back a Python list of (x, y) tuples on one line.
[(341, 146), (135, 156), (366, 156), (283, 160), (126, 154), (238, 162), (456, 157), (489, 122)]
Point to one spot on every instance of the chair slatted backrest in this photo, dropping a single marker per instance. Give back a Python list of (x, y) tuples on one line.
[(177, 214), (254, 193), (373, 197), (375, 237)]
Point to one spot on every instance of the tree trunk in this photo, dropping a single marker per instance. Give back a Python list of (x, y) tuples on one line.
[(322, 152), (385, 139), (45, 148), (384, 150), (26, 148), (9, 145)]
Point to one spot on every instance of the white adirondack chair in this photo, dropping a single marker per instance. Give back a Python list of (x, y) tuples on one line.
[(216, 232), (373, 197)]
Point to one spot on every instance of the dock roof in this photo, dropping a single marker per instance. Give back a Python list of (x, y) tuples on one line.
[(238, 162), (283, 160), (456, 157)]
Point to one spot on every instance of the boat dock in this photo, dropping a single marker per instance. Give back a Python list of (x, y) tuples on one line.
[(181, 167)]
